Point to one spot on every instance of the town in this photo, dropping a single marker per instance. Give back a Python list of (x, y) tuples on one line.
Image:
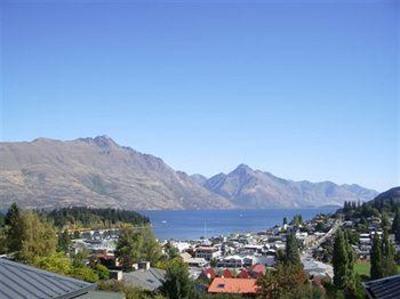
[(129, 260)]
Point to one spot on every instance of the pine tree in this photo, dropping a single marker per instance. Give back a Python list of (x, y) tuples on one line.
[(64, 241), (385, 221), (350, 260), (377, 270), (292, 250), (13, 221), (388, 254), (340, 261), (396, 226), (177, 284)]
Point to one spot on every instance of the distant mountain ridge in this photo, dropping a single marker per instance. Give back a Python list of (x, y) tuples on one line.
[(97, 172), (247, 187)]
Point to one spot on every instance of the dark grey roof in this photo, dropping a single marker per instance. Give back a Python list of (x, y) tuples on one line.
[(150, 280), (21, 281), (384, 288)]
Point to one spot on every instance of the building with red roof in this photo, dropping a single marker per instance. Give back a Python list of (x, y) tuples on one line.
[(244, 273), (227, 274), (242, 286), (257, 270)]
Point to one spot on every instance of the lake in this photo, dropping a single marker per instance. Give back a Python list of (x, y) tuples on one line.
[(193, 224)]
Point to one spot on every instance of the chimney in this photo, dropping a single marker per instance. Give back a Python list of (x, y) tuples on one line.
[(145, 265), (116, 274)]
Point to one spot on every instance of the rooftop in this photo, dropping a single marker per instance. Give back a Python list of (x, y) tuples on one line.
[(233, 286), (385, 288), (21, 281)]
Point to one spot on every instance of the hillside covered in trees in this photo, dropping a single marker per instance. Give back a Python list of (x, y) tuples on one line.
[(92, 217)]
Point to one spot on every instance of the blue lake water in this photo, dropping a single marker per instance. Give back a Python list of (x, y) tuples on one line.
[(191, 225)]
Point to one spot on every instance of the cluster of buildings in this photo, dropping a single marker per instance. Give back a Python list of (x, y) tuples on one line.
[(222, 264), (366, 236)]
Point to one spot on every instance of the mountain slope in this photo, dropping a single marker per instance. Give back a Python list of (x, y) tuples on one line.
[(95, 172), (248, 188)]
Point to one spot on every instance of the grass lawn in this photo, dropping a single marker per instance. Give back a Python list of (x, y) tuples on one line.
[(362, 268)]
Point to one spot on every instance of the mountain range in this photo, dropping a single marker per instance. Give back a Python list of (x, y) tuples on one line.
[(97, 172)]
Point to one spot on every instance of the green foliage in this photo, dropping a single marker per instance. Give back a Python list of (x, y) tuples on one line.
[(61, 264), (91, 217), (84, 273), (297, 220), (14, 229), (2, 220), (292, 251), (38, 238), (343, 261), (171, 251), (128, 247), (377, 270), (286, 281), (137, 245), (151, 249), (396, 225), (64, 241), (178, 284), (102, 271), (3, 241), (213, 262), (382, 257)]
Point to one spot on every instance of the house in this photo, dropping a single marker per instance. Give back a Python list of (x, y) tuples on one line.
[(185, 256), (21, 281), (257, 270), (232, 261), (150, 279), (227, 274), (384, 288), (196, 262), (207, 252), (208, 273), (241, 286), (244, 273)]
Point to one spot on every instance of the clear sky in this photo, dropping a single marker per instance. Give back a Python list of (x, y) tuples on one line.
[(303, 89)]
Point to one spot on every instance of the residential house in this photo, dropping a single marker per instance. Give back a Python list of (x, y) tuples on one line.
[(241, 286)]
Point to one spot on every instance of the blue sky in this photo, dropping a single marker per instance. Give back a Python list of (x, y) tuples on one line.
[(303, 89)]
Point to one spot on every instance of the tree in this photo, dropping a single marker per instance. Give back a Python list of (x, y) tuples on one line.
[(129, 247), (38, 238), (292, 251), (102, 271), (340, 261), (151, 249), (377, 270), (285, 281), (285, 221), (297, 220), (385, 221), (64, 241), (14, 228), (396, 226), (178, 284), (388, 253), (171, 251)]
